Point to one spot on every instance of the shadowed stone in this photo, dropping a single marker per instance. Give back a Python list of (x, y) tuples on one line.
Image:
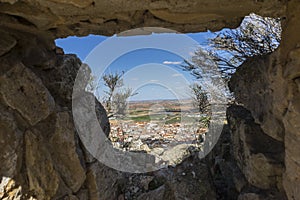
[(24, 91), (64, 152), (259, 156), (6, 43), (11, 144), (42, 177)]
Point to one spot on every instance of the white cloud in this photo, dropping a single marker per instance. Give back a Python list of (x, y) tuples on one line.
[(154, 80), (172, 62), (175, 75)]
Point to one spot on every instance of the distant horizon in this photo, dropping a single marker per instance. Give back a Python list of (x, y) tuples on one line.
[(185, 99)]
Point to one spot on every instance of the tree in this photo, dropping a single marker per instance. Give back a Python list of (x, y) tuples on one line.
[(112, 81), (117, 95), (119, 102), (256, 36), (231, 47), (200, 99)]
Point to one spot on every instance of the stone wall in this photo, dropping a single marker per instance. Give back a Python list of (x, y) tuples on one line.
[(41, 155), (269, 87), (247, 163), (36, 81)]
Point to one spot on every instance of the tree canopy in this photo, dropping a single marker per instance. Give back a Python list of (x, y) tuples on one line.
[(231, 47)]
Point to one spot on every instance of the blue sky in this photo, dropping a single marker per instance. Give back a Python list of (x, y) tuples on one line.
[(82, 46), (150, 63)]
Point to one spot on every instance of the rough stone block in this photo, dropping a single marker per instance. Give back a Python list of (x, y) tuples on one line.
[(22, 90), (64, 153)]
